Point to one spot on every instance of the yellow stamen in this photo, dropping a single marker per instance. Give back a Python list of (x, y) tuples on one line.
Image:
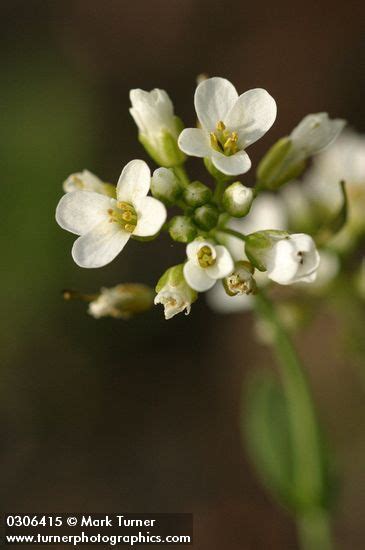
[(205, 256)]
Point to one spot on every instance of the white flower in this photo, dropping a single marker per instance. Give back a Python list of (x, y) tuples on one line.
[(206, 263), (153, 112), (106, 224), (121, 301), (292, 259), (174, 293), (313, 134), (229, 124), (87, 181)]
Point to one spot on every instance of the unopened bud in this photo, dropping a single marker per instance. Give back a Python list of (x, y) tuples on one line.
[(165, 186), (197, 194), (237, 199), (279, 165), (206, 217), (182, 229), (159, 128)]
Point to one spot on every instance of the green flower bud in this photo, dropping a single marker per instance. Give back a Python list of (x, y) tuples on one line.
[(237, 199), (166, 152), (241, 280), (174, 293), (280, 165), (197, 194), (159, 128), (182, 229), (258, 245), (165, 186), (206, 216)]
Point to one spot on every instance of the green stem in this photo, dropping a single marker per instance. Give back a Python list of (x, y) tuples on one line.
[(219, 190), (232, 232), (314, 531), (181, 174), (305, 434)]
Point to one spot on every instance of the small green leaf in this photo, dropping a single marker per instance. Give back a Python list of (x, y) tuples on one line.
[(267, 431), (267, 434)]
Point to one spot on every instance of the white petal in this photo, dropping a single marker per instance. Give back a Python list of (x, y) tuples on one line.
[(252, 115), (151, 216), (80, 211), (213, 100), (134, 182), (194, 142), (100, 246), (223, 265), (282, 262), (83, 181), (193, 248), (236, 164), (197, 278), (315, 132)]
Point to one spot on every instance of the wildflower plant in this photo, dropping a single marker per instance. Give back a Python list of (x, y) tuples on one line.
[(237, 241), (105, 216)]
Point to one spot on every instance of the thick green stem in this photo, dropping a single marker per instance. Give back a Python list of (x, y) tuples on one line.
[(219, 190), (314, 531), (305, 434)]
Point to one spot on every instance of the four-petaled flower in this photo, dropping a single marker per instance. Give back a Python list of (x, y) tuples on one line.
[(229, 124), (206, 264), (106, 224)]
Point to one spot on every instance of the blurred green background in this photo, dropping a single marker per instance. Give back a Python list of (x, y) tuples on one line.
[(144, 415)]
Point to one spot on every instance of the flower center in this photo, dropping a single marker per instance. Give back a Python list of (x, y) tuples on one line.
[(224, 141), (125, 215), (205, 257)]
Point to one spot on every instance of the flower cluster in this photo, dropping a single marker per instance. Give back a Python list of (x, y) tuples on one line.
[(232, 242)]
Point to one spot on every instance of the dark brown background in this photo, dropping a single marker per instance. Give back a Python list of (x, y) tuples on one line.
[(144, 416)]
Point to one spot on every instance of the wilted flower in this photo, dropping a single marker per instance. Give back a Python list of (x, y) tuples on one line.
[(229, 124), (106, 224), (241, 280), (174, 293), (206, 263), (122, 301)]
